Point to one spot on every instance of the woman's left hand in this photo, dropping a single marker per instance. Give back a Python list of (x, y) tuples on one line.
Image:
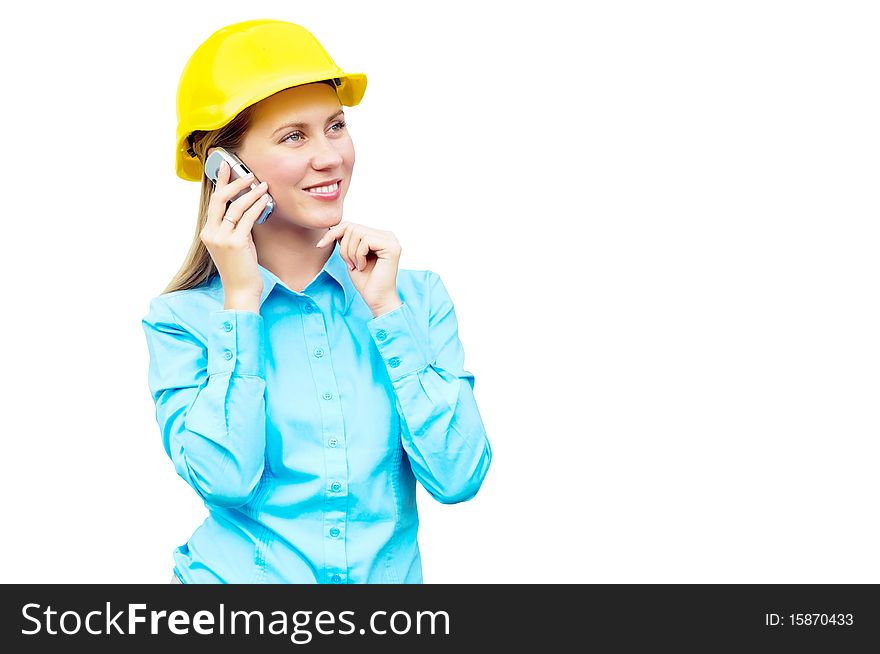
[(372, 256)]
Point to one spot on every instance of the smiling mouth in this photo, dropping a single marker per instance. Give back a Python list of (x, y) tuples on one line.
[(330, 189)]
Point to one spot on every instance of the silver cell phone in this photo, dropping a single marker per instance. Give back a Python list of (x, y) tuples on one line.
[(212, 167)]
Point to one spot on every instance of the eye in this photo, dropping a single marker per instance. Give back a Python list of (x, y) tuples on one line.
[(338, 123)]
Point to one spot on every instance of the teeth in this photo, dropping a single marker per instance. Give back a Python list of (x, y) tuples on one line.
[(324, 189)]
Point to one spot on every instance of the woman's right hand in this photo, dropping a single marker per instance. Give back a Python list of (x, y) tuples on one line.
[(227, 233)]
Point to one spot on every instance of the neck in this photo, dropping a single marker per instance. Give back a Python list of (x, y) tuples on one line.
[(289, 252)]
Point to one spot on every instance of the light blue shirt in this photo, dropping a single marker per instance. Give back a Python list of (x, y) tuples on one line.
[(304, 427)]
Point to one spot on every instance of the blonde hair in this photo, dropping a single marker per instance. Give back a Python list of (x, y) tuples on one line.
[(198, 266)]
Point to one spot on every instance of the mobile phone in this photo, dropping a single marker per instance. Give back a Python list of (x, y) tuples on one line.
[(236, 165)]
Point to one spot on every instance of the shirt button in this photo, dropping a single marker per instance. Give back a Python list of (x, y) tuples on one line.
[(227, 354), (335, 486), (381, 334), (227, 326), (308, 308), (319, 352), (334, 532), (333, 442), (327, 396), (394, 362), (336, 579)]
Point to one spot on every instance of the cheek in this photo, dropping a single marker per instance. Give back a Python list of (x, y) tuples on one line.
[(283, 173)]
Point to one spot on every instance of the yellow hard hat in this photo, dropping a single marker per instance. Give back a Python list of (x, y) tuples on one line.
[(241, 64)]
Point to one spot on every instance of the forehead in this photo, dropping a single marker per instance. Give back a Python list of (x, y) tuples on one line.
[(311, 103)]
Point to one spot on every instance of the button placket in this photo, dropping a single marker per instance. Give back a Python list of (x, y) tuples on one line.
[(333, 431)]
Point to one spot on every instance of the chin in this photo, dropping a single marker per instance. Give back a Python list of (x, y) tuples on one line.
[(326, 223), (330, 218), (309, 220)]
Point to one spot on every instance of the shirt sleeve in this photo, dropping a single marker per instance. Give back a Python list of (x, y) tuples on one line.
[(442, 431), (210, 400)]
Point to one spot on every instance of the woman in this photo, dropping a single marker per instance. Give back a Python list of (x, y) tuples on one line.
[(302, 382)]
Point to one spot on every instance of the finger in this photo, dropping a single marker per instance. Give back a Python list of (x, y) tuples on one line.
[(331, 235), (361, 255), (343, 244), (215, 210), (222, 197), (222, 174), (236, 186), (249, 217), (237, 209), (352, 246)]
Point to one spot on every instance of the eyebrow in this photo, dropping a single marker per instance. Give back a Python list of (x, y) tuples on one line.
[(296, 124)]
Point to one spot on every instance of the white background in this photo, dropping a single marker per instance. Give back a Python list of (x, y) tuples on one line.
[(658, 223)]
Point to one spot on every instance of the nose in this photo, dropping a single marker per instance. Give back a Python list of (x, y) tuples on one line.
[(326, 155)]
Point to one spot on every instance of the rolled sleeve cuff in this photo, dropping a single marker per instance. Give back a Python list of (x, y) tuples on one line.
[(236, 344), (400, 340)]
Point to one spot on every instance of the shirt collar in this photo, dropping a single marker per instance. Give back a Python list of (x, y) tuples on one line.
[(335, 267)]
